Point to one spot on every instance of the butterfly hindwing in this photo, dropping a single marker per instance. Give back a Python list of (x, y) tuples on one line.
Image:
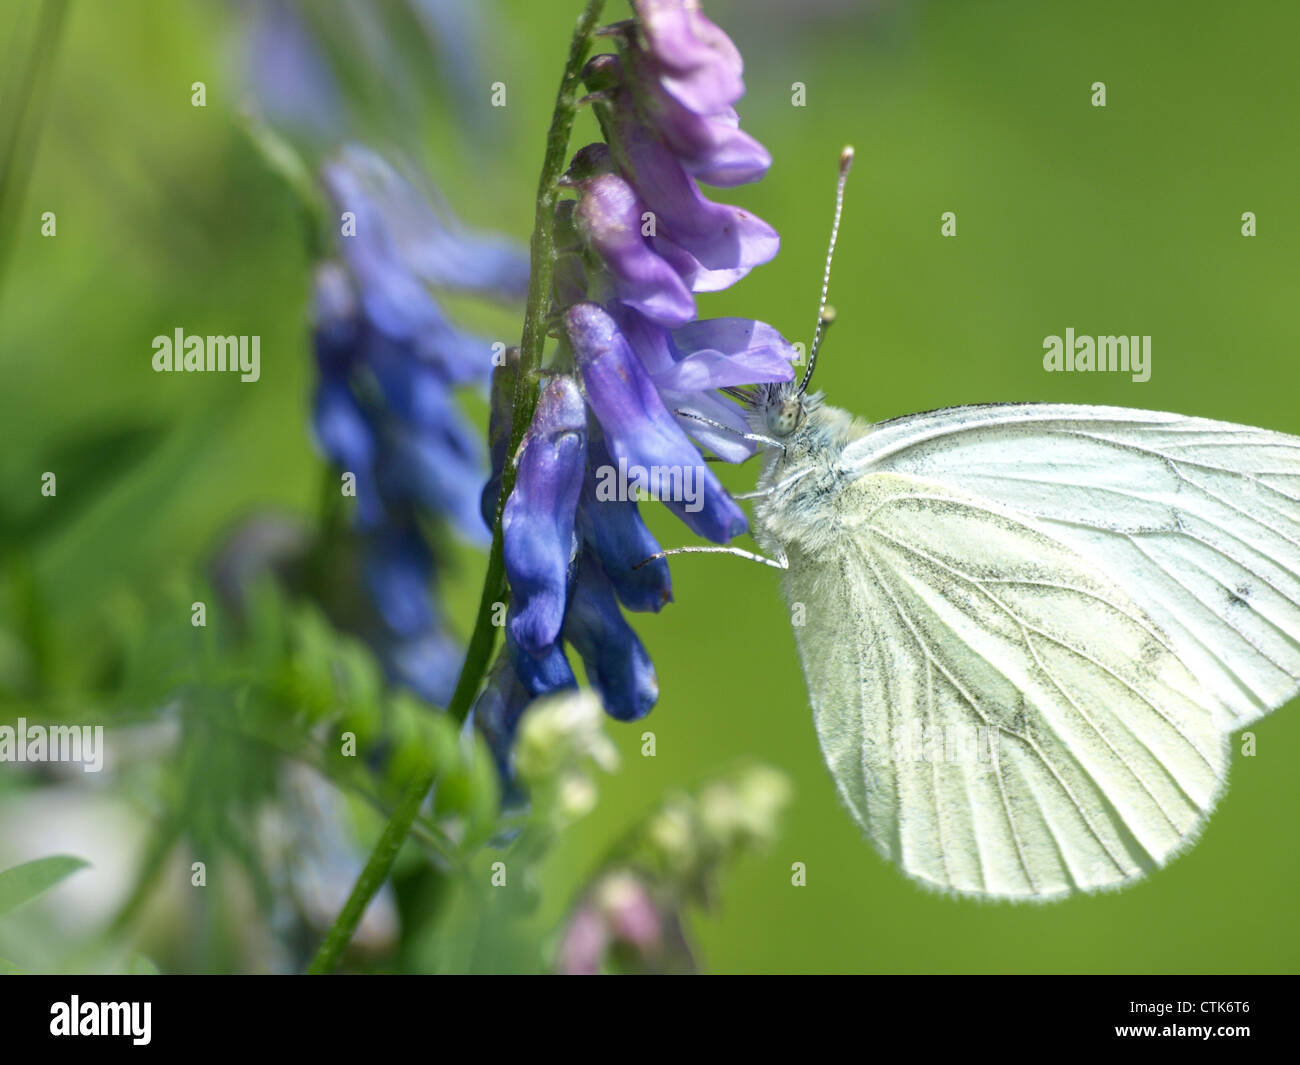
[(1004, 720)]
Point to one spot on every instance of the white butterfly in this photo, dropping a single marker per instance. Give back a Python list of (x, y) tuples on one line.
[(1106, 593), (1098, 596)]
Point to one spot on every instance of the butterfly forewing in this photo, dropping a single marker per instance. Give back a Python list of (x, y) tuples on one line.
[(1198, 520)]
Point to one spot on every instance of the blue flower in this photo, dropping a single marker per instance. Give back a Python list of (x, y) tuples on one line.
[(287, 74), (557, 589), (385, 407), (538, 521), (639, 384), (322, 76)]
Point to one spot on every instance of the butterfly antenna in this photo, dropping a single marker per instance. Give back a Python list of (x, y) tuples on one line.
[(826, 315)]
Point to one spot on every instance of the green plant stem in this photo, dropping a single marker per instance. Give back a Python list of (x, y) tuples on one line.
[(542, 266), (288, 746), (479, 652)]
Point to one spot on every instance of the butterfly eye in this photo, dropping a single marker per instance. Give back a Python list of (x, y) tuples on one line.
[(786, 417), (782, 417)]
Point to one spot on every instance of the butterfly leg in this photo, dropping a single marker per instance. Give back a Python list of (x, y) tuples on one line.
[(761, 493), (781, 562)]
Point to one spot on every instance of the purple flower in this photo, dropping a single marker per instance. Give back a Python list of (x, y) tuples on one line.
[(617, 664), (385, 408), (696, 62), (287, 73), (322, 79), (636, 423), (623, 924), (586, 941), (421, 233), (619, 911), (710, 145), (558, 588), (718, 236), (608, 219), (395, 248), (497, 712), (538, 521), (633, 249), (613, 532)]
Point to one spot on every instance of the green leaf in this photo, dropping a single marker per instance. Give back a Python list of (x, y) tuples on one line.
[(142, 966), (87, 466), (24, 882), (8, 968)]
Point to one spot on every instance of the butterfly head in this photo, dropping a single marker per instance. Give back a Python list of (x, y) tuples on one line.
[(780, 409), (783, 412)]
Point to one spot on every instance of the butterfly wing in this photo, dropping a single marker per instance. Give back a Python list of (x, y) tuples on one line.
[(1198, 520), (1062, 745)]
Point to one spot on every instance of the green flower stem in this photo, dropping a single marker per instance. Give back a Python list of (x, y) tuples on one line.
[(543, 243), (479, 653)]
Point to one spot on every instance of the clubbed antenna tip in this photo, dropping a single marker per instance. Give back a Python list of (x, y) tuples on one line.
[(825, 313)]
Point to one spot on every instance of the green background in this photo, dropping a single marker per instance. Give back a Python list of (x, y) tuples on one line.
[(1122, 219)]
